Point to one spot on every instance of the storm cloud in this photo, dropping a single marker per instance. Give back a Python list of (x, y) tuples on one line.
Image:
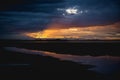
[(35, 15)]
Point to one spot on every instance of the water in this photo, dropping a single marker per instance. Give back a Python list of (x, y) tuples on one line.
[(103, 64)]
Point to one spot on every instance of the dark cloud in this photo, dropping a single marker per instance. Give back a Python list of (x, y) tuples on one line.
[(23, 5), (18, 16), (22, 2)]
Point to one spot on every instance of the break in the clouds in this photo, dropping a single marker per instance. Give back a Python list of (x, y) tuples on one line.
[(22, 16)]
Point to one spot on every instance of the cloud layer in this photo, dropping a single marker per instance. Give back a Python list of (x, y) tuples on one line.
[(37, 15)]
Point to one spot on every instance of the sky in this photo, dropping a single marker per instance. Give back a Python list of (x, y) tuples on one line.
[(20, 19)]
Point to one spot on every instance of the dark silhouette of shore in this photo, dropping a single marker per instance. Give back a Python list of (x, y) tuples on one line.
[(14, 62), (75, 47)]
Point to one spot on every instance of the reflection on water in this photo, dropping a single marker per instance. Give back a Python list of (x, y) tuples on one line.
[(104, 64)]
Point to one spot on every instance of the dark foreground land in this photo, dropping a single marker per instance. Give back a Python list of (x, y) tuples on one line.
[(88, 47), (15, 62)]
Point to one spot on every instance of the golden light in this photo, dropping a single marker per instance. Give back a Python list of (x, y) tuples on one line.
[(92, 32)]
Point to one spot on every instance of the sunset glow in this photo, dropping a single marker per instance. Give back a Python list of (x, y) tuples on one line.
[(92, 32)]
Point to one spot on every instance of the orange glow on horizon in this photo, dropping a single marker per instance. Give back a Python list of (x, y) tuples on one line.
[(92, 32)]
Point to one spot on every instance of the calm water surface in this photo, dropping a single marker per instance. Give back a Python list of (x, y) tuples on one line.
[(103, 64)]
